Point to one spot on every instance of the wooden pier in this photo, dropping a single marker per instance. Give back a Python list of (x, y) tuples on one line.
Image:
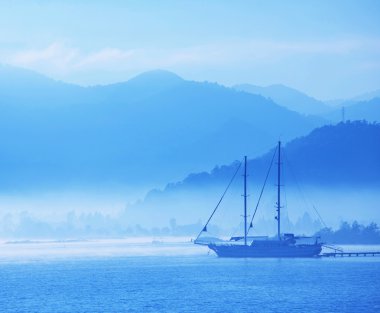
[(350, 254)]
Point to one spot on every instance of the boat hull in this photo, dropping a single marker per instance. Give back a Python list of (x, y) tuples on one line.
[(263, 251)]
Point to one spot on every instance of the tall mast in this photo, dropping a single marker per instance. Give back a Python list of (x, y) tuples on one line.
[(245, 200), (278, 217)]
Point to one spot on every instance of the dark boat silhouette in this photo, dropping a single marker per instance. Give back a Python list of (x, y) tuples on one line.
[(283, 245)]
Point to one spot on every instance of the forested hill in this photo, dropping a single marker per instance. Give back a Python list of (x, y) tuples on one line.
[(343, 154)]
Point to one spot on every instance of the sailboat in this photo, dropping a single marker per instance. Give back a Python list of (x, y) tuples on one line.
[(280, 246)]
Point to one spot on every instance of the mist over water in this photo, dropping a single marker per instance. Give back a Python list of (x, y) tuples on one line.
[(22, 251), (76, 215)]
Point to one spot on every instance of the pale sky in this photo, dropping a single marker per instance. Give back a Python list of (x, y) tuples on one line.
[(328, 49)]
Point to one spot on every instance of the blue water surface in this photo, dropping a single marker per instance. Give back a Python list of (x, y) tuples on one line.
[(191, 284)]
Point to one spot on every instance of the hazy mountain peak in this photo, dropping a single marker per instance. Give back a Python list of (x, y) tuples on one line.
[(141, 87), (156, 77)]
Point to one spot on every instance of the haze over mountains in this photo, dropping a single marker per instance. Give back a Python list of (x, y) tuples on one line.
[(154, 128), (368, 110), (288, 97), (367, 96), (362, 107), (158, 128), (340, 162)]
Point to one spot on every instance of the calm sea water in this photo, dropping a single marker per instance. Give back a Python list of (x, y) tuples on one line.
[(172, 279)]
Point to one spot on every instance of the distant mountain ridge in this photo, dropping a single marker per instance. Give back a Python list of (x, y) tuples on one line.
[(362, 107), (366, 96), (155, 127), (288, 97), (368, 110)]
